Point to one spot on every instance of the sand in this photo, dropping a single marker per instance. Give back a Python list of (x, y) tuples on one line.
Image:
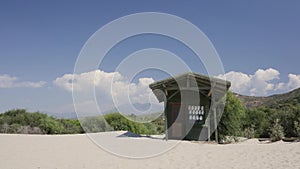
[(78, 151)]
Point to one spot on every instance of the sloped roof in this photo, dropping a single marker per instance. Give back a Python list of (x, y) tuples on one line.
[(191, 81)]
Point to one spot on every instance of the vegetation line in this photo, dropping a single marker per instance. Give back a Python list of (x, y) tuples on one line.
[(275, 120)]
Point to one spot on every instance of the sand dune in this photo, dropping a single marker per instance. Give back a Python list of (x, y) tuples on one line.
[(78, 151)]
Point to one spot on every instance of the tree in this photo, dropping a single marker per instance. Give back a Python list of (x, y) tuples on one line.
[(231, 122)]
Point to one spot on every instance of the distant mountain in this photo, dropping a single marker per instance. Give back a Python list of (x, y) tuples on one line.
[(292, 98)]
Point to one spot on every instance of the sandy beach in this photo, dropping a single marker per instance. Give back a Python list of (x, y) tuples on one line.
[(80, 152)]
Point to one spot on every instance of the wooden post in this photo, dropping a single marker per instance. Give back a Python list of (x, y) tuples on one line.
[(208, 127), (165, 112), (215, 124), (166, 125)]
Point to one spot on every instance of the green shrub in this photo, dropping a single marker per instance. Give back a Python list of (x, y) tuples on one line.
[(95, 124), (14, 128), (20, 121), (51, 126), (276, 131), (297, 128), (71, 126), (249, 132), (231, 122), (119, 122)]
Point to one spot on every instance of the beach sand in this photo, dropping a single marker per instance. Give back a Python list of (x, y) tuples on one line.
[(80, 152)]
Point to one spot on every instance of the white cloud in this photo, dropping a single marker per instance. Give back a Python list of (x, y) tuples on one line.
[(293, 83), (261, 83), (111, 88), (84, 81), (240, 82), (7, 81), (266, 75)]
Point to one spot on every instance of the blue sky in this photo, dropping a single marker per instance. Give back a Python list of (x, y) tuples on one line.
[(257, 41)]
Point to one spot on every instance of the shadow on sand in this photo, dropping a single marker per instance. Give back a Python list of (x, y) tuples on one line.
[(133, 135)]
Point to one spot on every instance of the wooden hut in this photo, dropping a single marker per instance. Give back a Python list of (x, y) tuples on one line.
[(193, 103)]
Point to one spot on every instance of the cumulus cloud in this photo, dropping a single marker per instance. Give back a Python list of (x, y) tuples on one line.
[(240, 82), (7, 81), (111, 83), (111, 88), (293, 83), (261, 83)]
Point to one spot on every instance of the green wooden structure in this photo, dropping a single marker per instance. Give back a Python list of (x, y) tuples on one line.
[(192, 105)]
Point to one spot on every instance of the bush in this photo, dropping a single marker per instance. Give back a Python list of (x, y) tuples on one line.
[(14, 128), (4, 127), (297, 128), (51, 126), (119, 122), (231, 122), (249, 132), (276, 131), (286, 116), (71, 126), (95, 124), (258, 120), (20, 121), (30, 130)]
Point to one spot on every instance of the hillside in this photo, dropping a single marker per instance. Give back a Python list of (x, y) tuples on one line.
[(292, 98)]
